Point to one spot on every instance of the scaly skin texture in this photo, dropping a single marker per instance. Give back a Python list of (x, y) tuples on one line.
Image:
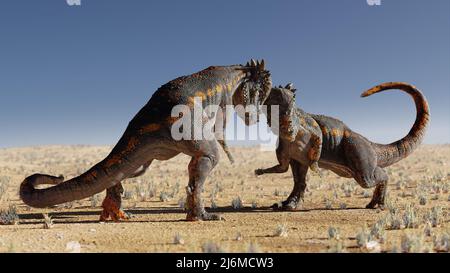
[(341, 150), (148, 137)]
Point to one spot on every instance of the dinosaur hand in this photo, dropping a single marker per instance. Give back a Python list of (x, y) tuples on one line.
[(230, 157)]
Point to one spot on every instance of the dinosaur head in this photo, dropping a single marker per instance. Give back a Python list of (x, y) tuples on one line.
[(253, 91), (284, 98)]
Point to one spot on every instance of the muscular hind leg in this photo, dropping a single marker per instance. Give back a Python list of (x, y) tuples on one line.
[(316, 148), (112, 204), (299, 173), (379, 194), (361, 159), (201, 165)]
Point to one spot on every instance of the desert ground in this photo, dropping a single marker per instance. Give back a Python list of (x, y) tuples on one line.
[(332, 217)]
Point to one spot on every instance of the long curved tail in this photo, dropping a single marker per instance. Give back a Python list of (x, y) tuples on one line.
[(388, 154), (124, 159)]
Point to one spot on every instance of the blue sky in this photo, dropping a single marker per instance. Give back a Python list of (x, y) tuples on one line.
[(78, 74)]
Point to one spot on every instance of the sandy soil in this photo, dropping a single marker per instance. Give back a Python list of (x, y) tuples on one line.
[(154, 200)]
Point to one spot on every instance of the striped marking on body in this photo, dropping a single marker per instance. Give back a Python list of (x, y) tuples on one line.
[(149, 128)]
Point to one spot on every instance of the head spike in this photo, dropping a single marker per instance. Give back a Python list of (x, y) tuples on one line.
[(289, 86), (252, 62), (263, 65)]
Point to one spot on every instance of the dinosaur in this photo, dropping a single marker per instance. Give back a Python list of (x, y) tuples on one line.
[(148, 137), (338, 148)]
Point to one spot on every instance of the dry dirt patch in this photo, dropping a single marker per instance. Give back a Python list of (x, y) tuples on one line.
[(333, 207)]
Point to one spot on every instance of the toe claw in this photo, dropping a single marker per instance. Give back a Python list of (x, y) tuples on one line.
[(370, 206), (112, 210), (259, 172), (276, 206)]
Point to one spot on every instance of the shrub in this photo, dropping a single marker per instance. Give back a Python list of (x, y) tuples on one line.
[(48, 221), (182, 203), (422, 200), (394, 221), (378, 230), (4, 181), (442, 244), (253, 248), (328, 203), (213, 204), (362, 237), (366, 194), (211, 247), (336, 246), (9, 216), (333, 233), (95, 199), (236, 203), (434, 216), (411, 243), (163, 197), (281, 231), (178, 240), (410, 218)]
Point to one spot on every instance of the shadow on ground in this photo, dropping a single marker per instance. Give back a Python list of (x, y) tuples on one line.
[(68, 217)]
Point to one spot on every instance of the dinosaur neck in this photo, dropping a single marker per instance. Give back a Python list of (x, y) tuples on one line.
[(284, 107), (219, 85), (231, 84)]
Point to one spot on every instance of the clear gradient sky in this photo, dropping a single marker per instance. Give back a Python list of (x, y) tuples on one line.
[(78, 74)]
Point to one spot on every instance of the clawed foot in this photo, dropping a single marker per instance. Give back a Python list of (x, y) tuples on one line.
[(205, 216), (287, 205), (378, 198), (375, 204), (112, 211), (259, 172)]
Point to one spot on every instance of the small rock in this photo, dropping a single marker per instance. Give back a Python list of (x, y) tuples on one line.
[(73, 247), (373, 246)]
